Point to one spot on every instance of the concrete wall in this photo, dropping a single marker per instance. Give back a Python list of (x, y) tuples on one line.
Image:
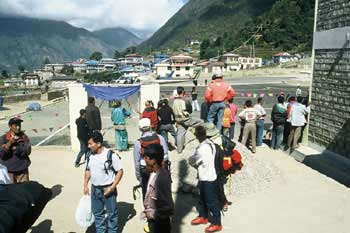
[(330, 117), (19, 98), (56, 94)]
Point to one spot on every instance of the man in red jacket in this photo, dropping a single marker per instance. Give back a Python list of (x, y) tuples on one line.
[(216, 93)]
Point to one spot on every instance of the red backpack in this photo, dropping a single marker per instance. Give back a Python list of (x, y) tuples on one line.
[(148, 140)]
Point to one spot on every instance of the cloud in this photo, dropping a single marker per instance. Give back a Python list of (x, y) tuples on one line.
[(97, 14)]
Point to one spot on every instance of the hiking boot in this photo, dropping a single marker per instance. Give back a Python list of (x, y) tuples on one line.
[(199, 220), (213, 228)]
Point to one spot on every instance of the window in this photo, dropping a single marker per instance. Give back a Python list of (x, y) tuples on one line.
[(187, 68), (257, 61), (169, 67), (177, 67), (244, 60)]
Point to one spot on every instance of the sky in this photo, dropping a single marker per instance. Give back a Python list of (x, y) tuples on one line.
[(97, 14)]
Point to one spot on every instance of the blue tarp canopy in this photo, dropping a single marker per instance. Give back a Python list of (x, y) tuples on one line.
[(111, 93)]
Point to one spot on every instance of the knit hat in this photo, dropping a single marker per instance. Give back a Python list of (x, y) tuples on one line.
[(211, 129)]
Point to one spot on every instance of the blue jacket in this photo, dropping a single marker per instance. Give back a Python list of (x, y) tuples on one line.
[(118, 115)]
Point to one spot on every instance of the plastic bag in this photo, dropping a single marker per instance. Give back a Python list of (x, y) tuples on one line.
[(83, 214), (4, 175)]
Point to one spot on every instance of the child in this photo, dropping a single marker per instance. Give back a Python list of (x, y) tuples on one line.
[(226, 120), (233, 109)]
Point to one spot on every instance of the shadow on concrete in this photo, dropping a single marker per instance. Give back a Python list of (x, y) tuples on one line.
[(56, 190), (185, 200), (126, 211), (43, 227)]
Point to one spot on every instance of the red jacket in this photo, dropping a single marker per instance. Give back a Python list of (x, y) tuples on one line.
[(218, 91), (151, 113)]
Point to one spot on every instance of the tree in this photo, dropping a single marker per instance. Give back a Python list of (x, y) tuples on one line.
[(203, 49), (96, 56), (46, 61), (67, 70), (21, 68), (4, 74), (117, 54)]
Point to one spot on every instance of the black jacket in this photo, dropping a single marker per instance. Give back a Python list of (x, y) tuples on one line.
[(82, 129), (164, 202), (278, 115), (166, 115), (93, 117)]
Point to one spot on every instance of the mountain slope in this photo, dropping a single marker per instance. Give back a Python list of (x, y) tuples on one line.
[(285, 25), (27, 42), (200, 19), (119, 37)]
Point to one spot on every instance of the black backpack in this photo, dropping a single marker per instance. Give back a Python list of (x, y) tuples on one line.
[(222, 153), (108, 166)]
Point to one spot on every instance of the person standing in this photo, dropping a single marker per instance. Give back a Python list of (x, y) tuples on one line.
[(158, 203), (166, 119), (148, 137), (250, 115), (226, 120), (204, 161), (288, 126), (216, 93), (278, 118), (260, 123), (104, 170), (15, 149), (151, 113), (83, 134), (298, 92), (118, 118), (234, 110), (93, 115), (298, 120), (183, 119), (194, 95)]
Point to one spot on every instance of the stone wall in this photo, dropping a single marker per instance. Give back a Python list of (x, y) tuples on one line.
[(333, 14), (330, 116)]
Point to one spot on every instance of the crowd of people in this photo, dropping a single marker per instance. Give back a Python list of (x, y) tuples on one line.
[(214, 130)]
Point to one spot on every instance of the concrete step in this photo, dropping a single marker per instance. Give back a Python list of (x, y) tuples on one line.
[(326, 162)]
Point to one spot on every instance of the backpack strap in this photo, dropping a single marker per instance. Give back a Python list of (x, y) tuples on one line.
[(88, 154), (109, 162)]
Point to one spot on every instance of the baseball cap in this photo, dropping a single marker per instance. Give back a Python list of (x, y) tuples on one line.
[(218, 74), (15, 121), (144, 123)]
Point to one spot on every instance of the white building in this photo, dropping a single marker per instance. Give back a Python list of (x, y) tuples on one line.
[(62, 81), (14, 82), (94, 67), (250, 62), (53, 67), (180, 65), (231, 61), (283, 57), (43, 74), (31, 80), (130, 59)]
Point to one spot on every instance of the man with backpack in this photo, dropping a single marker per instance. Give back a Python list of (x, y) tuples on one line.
[(148, 137), (204, 161), (104, 170), (227, 160)]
